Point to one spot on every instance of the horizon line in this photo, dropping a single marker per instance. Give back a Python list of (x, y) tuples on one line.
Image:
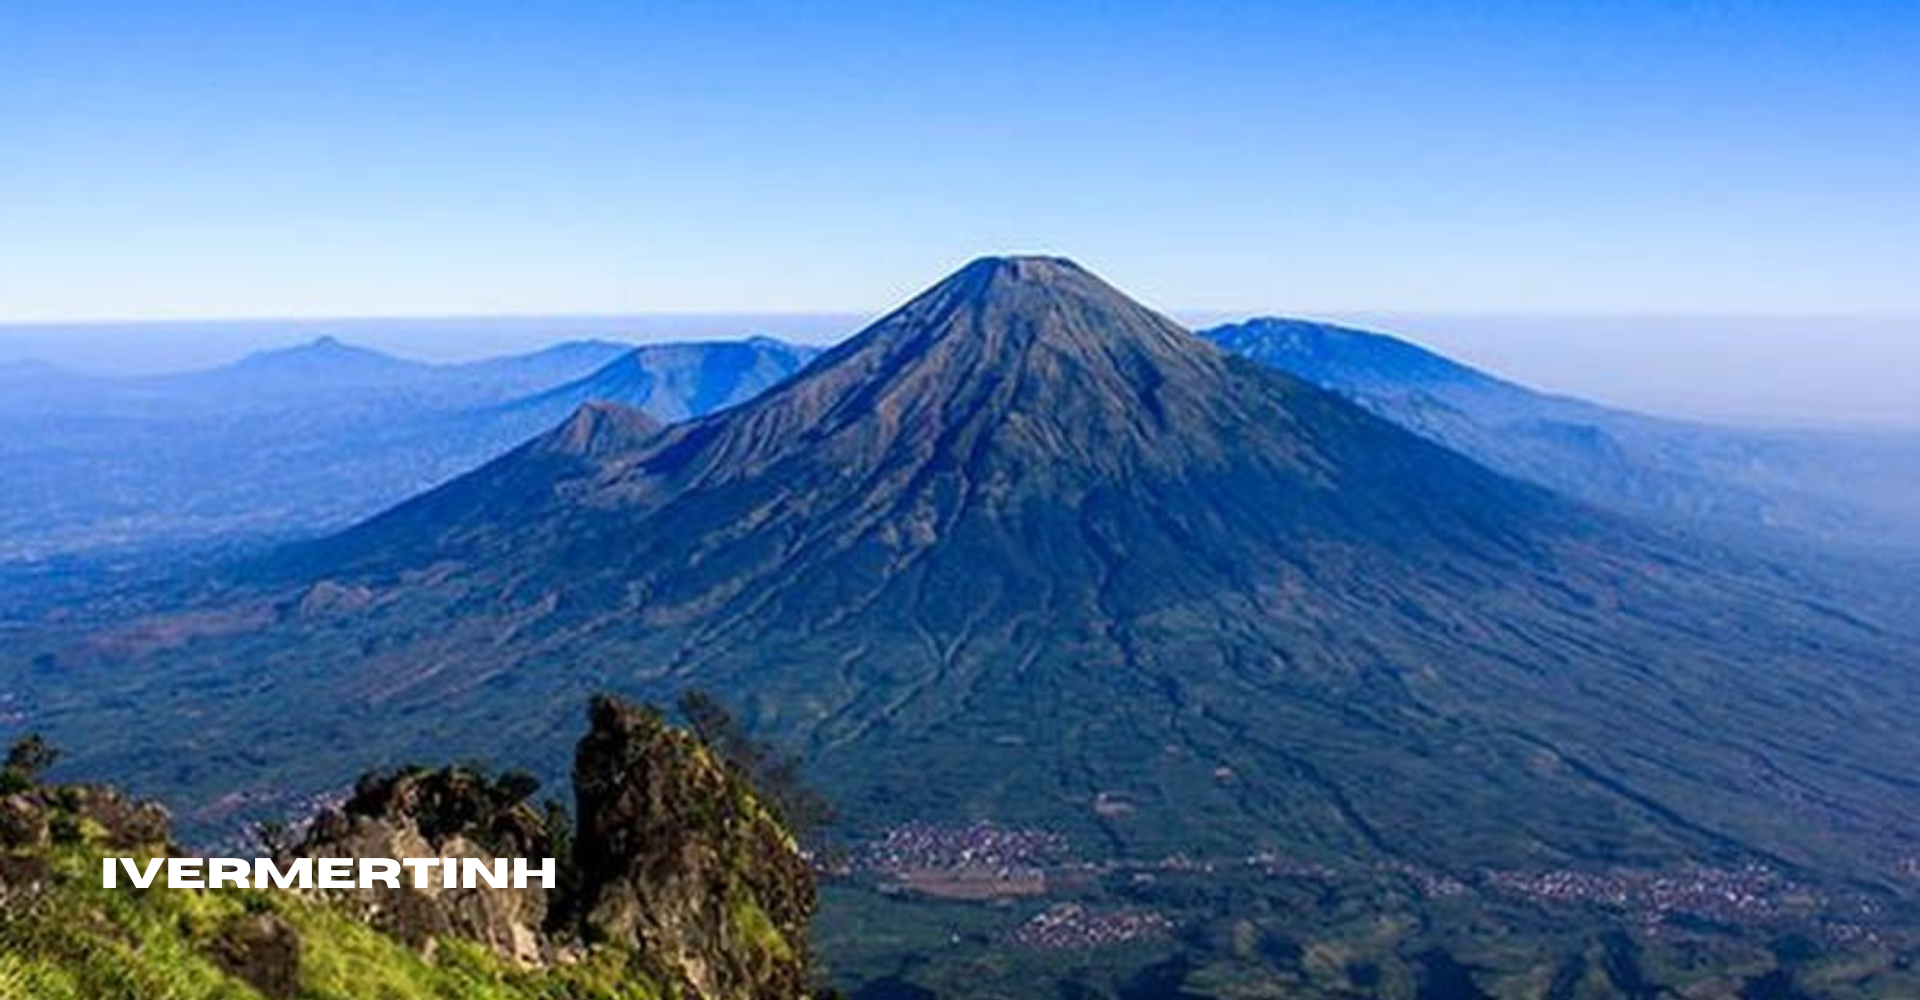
[(1210, 311)]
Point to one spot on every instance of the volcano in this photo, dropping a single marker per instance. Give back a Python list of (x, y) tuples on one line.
[(1026, 550)]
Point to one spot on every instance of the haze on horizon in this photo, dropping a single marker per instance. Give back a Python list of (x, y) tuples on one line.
[(1761, 371), (1445, 164)]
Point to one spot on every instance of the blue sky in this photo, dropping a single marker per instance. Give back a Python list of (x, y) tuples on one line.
[(294, 159)]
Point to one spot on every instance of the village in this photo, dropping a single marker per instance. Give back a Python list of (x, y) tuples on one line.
[(983, 862)]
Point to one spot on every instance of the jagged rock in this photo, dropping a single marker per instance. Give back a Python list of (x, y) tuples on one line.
[(677, 857), (32, 821), (451, 813), (678, 876), (264, 951), (117, 821), (677, 863), (23, 822)]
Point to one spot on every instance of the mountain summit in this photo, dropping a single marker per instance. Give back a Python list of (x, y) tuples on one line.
[(1019, 406), (1025, 549), (1034, 348), (324, 357)]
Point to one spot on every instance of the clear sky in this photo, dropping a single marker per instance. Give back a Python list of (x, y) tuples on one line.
[(162, 159)]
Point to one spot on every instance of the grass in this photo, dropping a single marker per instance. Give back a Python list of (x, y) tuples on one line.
[(78, 941)]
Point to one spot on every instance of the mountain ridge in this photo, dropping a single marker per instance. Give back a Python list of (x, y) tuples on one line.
[(1024, 555), (1837, 490), (292, 443), (680, 380), (1025, 516)]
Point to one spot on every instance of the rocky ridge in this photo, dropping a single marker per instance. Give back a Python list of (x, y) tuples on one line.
[(678, 884)]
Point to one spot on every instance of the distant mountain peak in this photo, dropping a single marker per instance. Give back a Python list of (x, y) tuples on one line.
[(328, 345), (326, 356), (677, 381)]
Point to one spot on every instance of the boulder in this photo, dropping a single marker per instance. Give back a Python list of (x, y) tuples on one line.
[(120, 822), (450, 813), (262, 950), (23, 822)]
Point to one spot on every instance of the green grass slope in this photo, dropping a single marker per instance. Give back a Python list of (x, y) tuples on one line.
[(78, 941)]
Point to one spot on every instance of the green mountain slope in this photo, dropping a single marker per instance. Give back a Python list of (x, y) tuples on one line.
[(1026, 550)]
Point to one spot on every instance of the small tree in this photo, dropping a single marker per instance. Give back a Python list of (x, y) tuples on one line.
[(774, 776), (29, 758), (563, 900), (274, 837), (514, 787), (718, 729)]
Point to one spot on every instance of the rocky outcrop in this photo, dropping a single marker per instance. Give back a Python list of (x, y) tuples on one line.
[(677, 856), (36, 815), (674, 862), (675, 874), (23, 822), (118, 821), (35, 818), (449, 813), (25, 831)]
